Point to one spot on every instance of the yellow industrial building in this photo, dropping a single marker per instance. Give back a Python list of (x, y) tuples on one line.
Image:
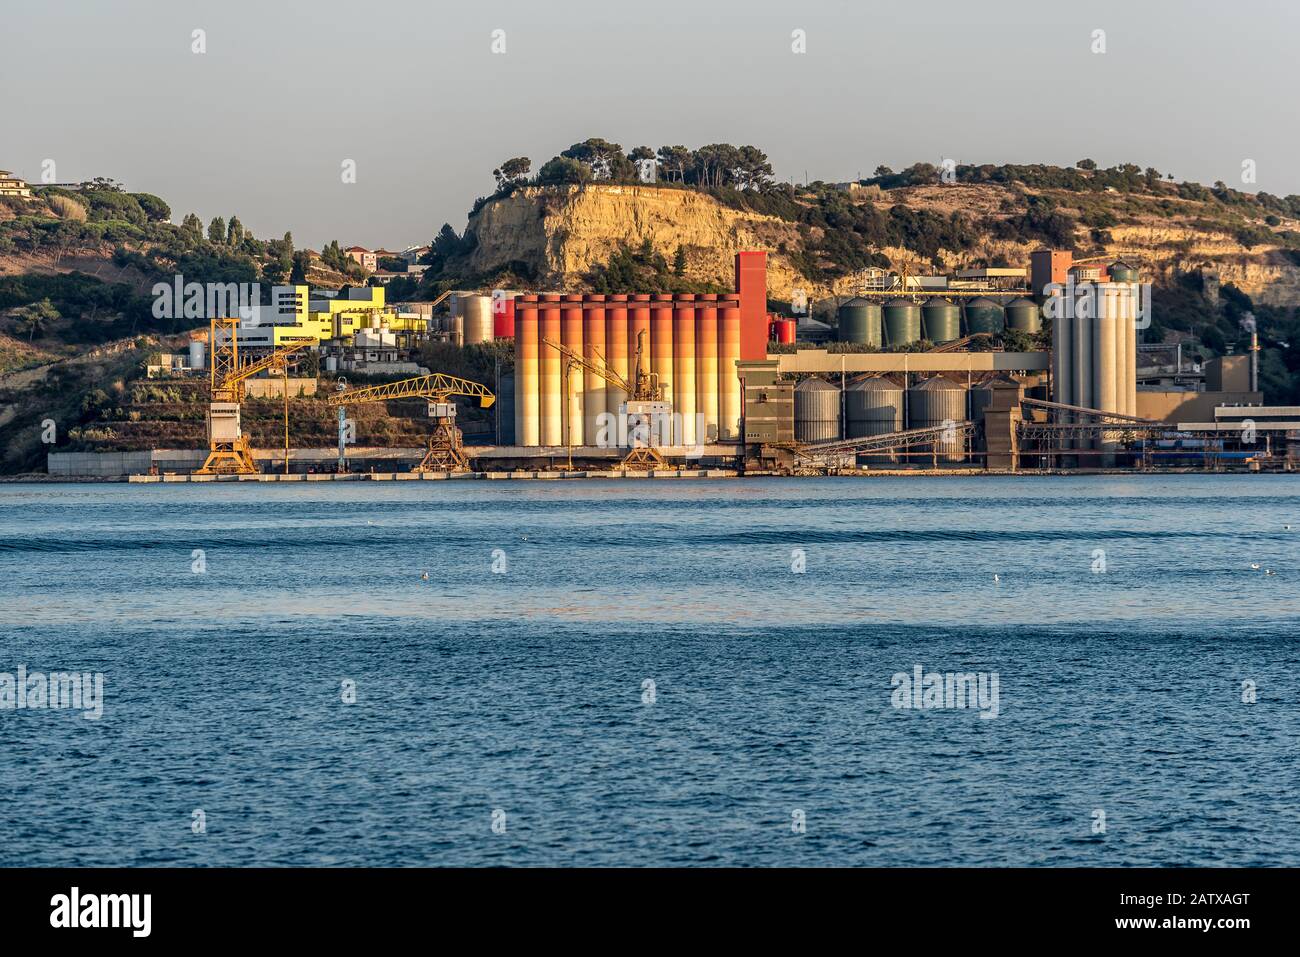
[(295, 316)]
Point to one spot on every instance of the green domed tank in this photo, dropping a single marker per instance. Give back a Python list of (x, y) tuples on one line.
[(1122, 272), (1024, 316), (860, 322), (941, 321), (983, 315), (902, 322)]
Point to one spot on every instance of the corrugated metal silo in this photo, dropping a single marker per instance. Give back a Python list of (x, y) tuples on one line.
[(902, 323), (873, 405), (816, 411), (983, 315), (982, 393), (941, 320), (938, 402), (859, 321), (1024, 316)]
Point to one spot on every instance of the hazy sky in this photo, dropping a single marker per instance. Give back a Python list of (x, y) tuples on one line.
[(260, 124)]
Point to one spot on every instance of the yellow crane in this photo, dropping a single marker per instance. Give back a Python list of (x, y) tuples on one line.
[(446, 451), (228, 449), (645, 399)]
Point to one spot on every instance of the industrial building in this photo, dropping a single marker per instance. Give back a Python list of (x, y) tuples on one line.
[(941, 372)]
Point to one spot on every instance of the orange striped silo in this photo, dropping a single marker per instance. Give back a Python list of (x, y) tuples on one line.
[(527, 411), (593, 350), (638, 321), (728, 354), (572, 378), (661, 343), (706, 364), (616, 350), (684, 397), (548, 372)]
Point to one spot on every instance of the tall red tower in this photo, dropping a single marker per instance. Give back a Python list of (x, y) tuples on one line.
[(751, 284)]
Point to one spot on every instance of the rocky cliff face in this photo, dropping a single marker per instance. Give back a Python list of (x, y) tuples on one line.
[(561, 233)]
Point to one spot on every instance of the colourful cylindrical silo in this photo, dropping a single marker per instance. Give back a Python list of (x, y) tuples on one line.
[(661, 344), (616, 334), (638, 322), (527, 412), (593, 350), (728, 355), (549, 364), (706, 364), (571, 384), (503, 317), (785, 331), (684, 398)]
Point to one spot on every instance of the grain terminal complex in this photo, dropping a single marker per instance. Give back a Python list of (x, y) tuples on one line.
[(1001, 369)]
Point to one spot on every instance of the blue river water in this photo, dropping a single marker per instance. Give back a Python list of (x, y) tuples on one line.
[(641, 673)]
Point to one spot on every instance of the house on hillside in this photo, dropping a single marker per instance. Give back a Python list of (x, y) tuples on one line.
[(359, 254), (11, 185)]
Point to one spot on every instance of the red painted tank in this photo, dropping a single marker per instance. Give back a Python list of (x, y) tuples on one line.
[(503, 318)]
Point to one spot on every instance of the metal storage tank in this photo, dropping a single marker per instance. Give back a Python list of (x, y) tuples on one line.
[(505, 422), (1023, 316), (981, 394), (873, 405), (571, 378), (550, 404), (816, 411), (638, 321), (728, 355), (902, 323), (527, 409), (706, 364), (661, 344), (860, 322), (503, 317), (941, 320), (935, 402), (476, 314), (593, 350), (786, 330), (197, 349), (617, 327), (684, 378), (983, 315), (1122, 272)]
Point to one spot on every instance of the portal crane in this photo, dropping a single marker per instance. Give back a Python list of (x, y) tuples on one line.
[(645, 399), (446, 451), (228, 449)]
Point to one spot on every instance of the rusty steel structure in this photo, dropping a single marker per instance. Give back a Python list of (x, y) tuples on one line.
[(228, 450), (446, 447)]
